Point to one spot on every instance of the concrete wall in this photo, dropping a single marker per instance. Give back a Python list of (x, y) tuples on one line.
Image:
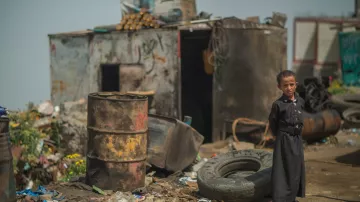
[(69, 58), (148, 57)]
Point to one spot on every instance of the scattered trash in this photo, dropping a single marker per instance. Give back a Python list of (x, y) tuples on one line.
[(140, 191), (187, 181), (200, 164), (46, 108), (121, 197), (188, 120), (355, 130), (193, 174), (139, 197), (98, 190), (204, 200), (243, 145), (41, 194), (351, 142)]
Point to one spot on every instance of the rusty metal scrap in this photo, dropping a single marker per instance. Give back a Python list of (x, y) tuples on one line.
[(117, 132), (321, 125), (173, 144)]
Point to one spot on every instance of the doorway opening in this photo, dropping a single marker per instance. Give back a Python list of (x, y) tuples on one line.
[(110, 78), (197, 81)]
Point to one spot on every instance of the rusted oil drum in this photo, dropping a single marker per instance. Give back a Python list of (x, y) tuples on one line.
[(117, 141), (7, 185), (321, 125)]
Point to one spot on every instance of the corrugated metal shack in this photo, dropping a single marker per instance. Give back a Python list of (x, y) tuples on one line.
[(172, 62)]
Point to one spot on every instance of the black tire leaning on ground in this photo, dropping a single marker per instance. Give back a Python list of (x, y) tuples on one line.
[(346, 100), (214, 185), (351, 117)]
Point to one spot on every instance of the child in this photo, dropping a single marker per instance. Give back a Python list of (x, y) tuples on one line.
[(286, 123)]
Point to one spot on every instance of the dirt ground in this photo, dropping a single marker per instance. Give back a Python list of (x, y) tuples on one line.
[(332, 174)]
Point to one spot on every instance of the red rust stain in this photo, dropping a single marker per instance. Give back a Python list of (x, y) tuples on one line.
[(58, 86), (140, 121), (134, 169), (159, 58), (53, 49)]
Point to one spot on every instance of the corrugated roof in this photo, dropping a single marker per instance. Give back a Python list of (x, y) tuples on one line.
[(74, 33)]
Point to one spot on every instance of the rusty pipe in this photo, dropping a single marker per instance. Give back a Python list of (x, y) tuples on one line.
[(321, 125)]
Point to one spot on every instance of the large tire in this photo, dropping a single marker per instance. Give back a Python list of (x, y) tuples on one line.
[(351, 117), (213, 183), (346, 100)]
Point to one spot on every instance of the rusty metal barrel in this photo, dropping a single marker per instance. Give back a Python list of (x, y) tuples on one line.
[(117, 140), (7, 179), (321, 125)]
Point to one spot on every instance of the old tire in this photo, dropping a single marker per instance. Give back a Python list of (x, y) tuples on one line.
[(214, 184), (347, 100), (352, 117)]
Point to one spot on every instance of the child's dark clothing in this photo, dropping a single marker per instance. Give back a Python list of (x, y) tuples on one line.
[(288, 171)]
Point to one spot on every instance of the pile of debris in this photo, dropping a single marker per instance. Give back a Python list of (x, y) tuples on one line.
[(38, 157)]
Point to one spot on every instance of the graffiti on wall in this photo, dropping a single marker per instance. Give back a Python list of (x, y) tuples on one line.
[(148, 62), (149, 46)]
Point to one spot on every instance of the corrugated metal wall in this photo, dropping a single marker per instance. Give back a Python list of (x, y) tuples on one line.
[(246, 83)]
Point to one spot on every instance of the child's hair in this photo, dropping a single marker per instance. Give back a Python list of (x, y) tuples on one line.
[(283, 74)]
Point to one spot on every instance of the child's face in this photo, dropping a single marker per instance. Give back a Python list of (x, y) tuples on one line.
[(288, 85)]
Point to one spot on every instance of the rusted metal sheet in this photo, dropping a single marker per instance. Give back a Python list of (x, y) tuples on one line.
[(117, 140), (321, 125), (242, 59), (8, 187), (148, 58), (173, 145), (69, 58)]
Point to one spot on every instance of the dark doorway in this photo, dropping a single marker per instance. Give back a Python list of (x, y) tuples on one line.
[(196, 83), (110, 77)]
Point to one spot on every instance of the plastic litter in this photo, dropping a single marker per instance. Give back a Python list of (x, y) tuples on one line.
[(184, 180), (42, 193), (139, 197), (121, 197), (3, 112)]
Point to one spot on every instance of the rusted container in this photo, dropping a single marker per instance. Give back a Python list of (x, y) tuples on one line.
[(321, 125), (117, 141), (7, 187)]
